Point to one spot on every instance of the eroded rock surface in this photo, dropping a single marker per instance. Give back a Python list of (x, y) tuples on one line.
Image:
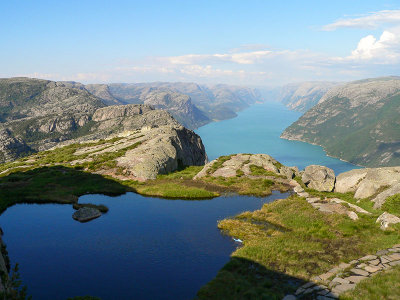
[(319, 178)]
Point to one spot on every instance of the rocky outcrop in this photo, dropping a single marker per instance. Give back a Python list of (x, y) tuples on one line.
[(381, 198), (11, 147), (319, 178), (367, 182), (250, 165), (357, 122), (386, 219), (162, 151), (4, 264), (86, 214)]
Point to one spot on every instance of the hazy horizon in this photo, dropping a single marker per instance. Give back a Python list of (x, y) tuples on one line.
[(255, 43)]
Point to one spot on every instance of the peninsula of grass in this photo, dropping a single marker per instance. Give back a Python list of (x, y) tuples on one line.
[(286, 243)]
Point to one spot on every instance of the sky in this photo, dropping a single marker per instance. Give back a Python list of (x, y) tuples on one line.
[(254, 43)]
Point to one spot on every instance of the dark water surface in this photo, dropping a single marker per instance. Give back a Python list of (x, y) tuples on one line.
[(257, 130), (143, 248)]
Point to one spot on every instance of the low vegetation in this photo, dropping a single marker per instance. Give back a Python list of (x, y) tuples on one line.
[(383, 286), (289, 238)]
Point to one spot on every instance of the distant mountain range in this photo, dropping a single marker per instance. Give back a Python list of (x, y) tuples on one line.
[(302, 96), (193, 105), (357, 121)]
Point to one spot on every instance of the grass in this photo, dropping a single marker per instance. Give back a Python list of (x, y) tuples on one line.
[(56, 184), (257, 170), (218, 163), (392, 205), (386, 285), (175, 191), (290, 237)]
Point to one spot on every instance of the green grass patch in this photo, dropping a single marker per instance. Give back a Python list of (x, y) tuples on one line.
[(290, 237), (174, 190), (185, 173), (260, 171), (385, 285), (218, 164), (392, 205)]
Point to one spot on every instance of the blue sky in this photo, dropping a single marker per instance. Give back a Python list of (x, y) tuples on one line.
[(237, 42)]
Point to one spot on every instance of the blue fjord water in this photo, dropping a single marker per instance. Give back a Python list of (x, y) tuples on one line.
[(257, 130), (149, 248)]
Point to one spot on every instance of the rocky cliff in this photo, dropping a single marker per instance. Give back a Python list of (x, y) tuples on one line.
[(303, 96), (357, 122), (39, 114)]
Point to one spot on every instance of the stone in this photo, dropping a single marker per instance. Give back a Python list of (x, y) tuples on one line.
[(355, 207), (355, 279), (299, 291), (344, 266), (374, 262), (352, 215), (340, 280), (381, 252), (367, 182), (343, 288), (386, 219), (303, 194), (298, 189), (385, 259), (395, 263), (307, 285), (314, 199), (319, 178), (394, 256), (323, 292), (85, 214), (368, 257), (394, 250), (289, 297), (381, 197), (326, 276), (359, 272), (353, 262), (372, 269)]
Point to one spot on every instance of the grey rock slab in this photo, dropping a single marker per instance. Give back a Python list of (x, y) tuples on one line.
[(344, 266), (359, 272), (394, 256), (85, 214), (374, 262), (307, 285), (319, 178), (312, 200), (355, 279), (380, 199), (381, 252), (303, 194), (326, 276), (368, 257), (352, 215), (386, 219), (343, 288), (395, 263), (340, 280), (372, 269), (289, 297)]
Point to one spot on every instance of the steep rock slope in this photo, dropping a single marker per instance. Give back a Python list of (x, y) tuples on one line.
[(302, 96), (39, 115), (357, 122)]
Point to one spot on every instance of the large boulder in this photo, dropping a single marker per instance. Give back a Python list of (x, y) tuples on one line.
[(381, 197), (319, 178), (163, 150), (367, 182), (386, 219)]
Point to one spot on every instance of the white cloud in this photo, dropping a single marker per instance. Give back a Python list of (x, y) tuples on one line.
[(385, 50), (371, 20)]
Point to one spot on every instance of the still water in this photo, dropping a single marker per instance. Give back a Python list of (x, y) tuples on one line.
[(143, 248)]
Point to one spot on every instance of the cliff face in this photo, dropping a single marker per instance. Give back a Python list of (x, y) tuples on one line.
[(303, 96), (357, 122), (39, 115)]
